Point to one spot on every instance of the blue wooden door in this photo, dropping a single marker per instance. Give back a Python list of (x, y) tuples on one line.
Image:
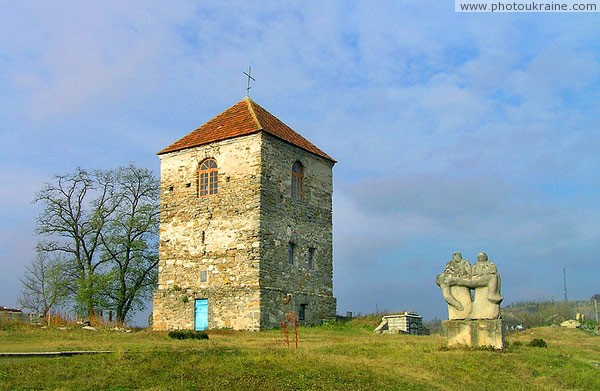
[(201, 314)]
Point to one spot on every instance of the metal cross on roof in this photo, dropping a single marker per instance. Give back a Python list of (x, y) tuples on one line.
[(249, 77)]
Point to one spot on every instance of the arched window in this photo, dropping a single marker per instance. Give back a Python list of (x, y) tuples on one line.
[(208, 178), (297, 181)]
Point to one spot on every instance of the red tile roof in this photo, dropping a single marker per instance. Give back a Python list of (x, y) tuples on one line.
[(244, 118)]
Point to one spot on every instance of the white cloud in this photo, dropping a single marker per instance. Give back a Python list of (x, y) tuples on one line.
[(71, 56)]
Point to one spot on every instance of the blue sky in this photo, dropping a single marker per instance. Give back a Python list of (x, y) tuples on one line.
[(453, 131)]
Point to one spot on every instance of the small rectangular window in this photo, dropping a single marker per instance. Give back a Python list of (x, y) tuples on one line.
[(311, 257), (291, 248), (203, 276), (302, 312)]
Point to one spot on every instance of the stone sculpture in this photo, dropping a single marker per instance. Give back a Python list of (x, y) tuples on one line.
[(459, 278), (473, 297)]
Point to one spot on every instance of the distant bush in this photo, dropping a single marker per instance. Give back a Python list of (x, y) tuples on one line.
[(187, 334), (537, 343), (512, 346), (433, 326), (589, 325)]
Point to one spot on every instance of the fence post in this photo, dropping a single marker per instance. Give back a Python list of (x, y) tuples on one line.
[(296, 333)]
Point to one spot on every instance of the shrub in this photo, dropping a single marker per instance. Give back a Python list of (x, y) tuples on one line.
[(589, 325), (187, 334), (537, 343), (512, 346)]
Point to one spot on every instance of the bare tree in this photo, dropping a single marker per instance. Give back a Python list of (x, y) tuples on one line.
[(105, 226), (42, 285), (73, 218), (130, 240)]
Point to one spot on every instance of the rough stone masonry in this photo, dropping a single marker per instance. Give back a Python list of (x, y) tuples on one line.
[(252, 250)]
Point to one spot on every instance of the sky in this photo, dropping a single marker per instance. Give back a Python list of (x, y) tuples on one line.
[(453, 131)]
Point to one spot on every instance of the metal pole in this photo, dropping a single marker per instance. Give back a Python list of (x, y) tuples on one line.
[(296, 332), (596, 305), (565, 282)]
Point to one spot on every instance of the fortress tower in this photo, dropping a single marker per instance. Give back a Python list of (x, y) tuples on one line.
[(245, 226)]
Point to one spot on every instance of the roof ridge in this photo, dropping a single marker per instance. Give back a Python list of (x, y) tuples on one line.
[(250, 104)]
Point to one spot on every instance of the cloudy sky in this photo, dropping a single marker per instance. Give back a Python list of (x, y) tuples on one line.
[(453, 131)]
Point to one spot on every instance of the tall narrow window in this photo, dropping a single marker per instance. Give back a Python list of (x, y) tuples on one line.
[(291, 248), (208, 178), (311, 257), (297, 181)]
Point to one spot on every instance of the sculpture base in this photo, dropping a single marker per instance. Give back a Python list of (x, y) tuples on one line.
[(474, 333)]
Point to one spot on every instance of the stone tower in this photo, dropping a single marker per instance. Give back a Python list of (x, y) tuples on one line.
[(245, 226)]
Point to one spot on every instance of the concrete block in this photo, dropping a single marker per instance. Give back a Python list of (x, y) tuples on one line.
[(474, 333)]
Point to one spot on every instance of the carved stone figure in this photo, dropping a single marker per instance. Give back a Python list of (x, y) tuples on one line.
[(459, 278), (457, 296), (485, 281)]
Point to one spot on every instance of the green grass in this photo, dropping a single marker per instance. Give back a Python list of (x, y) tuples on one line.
[(337, 356)]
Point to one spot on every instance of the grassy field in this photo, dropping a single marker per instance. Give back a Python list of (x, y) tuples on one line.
[(340, 356)]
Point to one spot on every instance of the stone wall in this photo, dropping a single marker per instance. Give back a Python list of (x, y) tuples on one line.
[(307, 223), (217, 235)]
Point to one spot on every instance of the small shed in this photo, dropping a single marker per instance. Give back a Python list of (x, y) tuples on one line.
[(406, 322), (12, 314)]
